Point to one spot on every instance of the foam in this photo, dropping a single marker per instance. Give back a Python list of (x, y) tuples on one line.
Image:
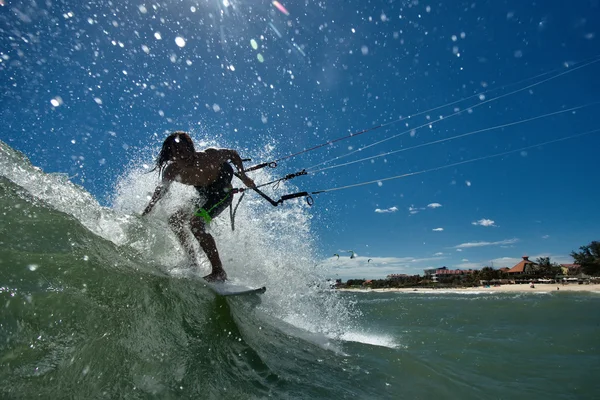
[(271, 246), (371, 339)]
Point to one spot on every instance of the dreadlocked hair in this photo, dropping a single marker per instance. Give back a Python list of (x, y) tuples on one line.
[(167, 152)]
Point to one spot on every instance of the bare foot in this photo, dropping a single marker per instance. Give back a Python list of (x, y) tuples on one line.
[(220, 276)]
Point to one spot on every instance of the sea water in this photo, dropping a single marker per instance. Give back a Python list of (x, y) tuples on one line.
[(97, 302)]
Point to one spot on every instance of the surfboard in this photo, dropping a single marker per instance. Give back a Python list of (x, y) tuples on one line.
[(232, 289)]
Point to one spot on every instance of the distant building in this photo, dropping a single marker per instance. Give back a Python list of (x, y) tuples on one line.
[(524, 267), (450, 274), (443, 273), (396, 277), (570, 269)]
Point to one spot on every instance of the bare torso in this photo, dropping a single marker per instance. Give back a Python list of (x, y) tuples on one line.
[(200, 169)]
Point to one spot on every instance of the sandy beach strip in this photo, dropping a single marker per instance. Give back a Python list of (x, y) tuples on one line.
[(525, 288)]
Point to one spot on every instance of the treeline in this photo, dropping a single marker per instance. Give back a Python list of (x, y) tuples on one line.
[(545, 268), (588, 257), (410, 281)]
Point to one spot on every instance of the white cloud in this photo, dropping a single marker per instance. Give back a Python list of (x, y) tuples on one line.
[(510, 262), (386, 210), (468, 265), (507, 262), (415, 210), (545, 236), (378, 268), (438, 229), (481, 244), (555, 258), (484, 222)]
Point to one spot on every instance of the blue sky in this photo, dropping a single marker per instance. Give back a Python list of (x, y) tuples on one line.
[(87, 87)]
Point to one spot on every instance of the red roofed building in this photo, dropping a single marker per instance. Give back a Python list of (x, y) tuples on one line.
[(523, 267), (445, 274)]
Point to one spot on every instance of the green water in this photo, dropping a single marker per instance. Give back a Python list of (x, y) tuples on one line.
[(88, 310), (509, 346)]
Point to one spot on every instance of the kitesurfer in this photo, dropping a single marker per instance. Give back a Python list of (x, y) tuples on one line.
[(210, 173)]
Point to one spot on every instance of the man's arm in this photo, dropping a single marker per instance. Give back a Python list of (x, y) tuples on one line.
[(158, 194), (236, 160)]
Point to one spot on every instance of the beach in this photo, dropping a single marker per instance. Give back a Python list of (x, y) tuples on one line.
[(524, 288)]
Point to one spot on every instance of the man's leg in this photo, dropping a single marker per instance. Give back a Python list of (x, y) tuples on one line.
[(176, 222), (207, 242)]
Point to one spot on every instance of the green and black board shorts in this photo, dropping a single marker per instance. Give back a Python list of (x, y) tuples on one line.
[(215, 197)]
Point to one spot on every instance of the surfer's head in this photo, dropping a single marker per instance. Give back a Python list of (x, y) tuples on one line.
[(176, 145)]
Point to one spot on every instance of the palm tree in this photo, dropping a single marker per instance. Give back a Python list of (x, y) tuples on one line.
[(544, 266), (589, 258)]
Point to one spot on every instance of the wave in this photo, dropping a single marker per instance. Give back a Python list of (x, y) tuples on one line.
[(96, 302)]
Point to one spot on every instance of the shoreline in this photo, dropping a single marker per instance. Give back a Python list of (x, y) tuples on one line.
[(510, 288)]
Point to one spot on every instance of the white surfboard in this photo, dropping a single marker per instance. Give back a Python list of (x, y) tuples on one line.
[(232, 289)]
